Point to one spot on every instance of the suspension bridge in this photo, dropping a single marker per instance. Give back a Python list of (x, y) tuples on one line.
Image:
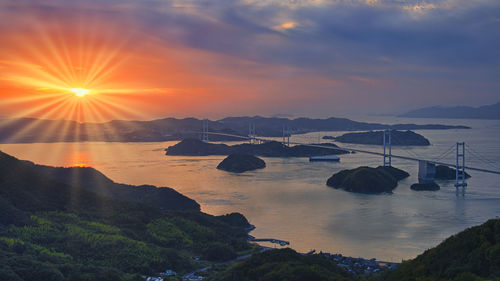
[(427, 167)]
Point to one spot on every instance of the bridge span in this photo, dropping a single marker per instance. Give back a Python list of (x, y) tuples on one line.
[(350, 149)]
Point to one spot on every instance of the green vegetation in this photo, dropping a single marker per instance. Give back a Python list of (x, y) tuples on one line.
[(53, 231), (286, 264), (472, 254)]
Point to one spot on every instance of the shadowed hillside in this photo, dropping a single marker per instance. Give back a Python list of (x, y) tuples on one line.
[(50, 230)]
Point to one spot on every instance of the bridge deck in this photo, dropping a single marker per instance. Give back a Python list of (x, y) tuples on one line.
[(362, 151)]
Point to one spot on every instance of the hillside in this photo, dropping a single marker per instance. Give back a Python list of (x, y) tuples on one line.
[(285, 264), (459, 112), (472, 253), (50, 230), (168, 129), (93, 180)]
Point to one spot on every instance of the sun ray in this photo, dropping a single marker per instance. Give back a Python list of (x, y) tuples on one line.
[(40, 109), (30, 98), (38, 122)]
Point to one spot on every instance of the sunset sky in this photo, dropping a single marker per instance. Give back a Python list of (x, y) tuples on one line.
[(106, 59)]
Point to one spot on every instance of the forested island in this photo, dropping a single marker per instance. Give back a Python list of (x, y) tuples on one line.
[(403, 138), (239, 163), (195, 147), (368, 180), (170, 129), (447, 173)]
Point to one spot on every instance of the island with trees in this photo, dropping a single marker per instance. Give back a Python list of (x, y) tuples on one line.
[(195, 147), (402, 138), (382, 179), (239, 163)]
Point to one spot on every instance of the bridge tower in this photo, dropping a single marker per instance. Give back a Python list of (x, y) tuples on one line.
[(387, 148), (460, 166), (286, 135), (204, 136), (251, 133)]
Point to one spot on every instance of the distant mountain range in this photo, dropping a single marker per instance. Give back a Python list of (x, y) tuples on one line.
[(27, 130), (465, 112)]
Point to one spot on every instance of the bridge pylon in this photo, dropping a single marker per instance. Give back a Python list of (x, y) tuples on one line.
[(387, 148), (460, 166), (204, 135), (251, 133), (286, 135)]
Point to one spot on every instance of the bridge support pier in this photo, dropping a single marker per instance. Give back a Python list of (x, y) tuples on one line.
[(387, 148), (426, 171)]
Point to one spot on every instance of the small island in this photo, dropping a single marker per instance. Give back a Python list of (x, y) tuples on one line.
[(195, 147), (447, 173), (402, 138), (367, 179), (428, 186), (239, 163)]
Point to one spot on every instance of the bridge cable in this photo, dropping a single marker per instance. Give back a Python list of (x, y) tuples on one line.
[(445, 153), (482, 159)]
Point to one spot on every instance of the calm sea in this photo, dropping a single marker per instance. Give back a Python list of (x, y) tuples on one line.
[(289, 200)]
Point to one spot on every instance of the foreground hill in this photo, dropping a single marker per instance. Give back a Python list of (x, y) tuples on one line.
[(467, 255), (461, 112), (194, 147), (473, 254), (287, 265), (169, 129), (50, 230), (93, 180)]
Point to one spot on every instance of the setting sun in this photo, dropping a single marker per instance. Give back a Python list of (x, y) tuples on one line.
[(79, 92)]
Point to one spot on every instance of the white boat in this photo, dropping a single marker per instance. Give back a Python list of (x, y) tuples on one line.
[(333, 158)]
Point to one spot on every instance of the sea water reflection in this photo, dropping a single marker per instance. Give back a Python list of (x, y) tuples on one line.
[(289, 199)]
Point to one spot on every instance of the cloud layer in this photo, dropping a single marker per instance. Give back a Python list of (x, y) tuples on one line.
[(226, 57)]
